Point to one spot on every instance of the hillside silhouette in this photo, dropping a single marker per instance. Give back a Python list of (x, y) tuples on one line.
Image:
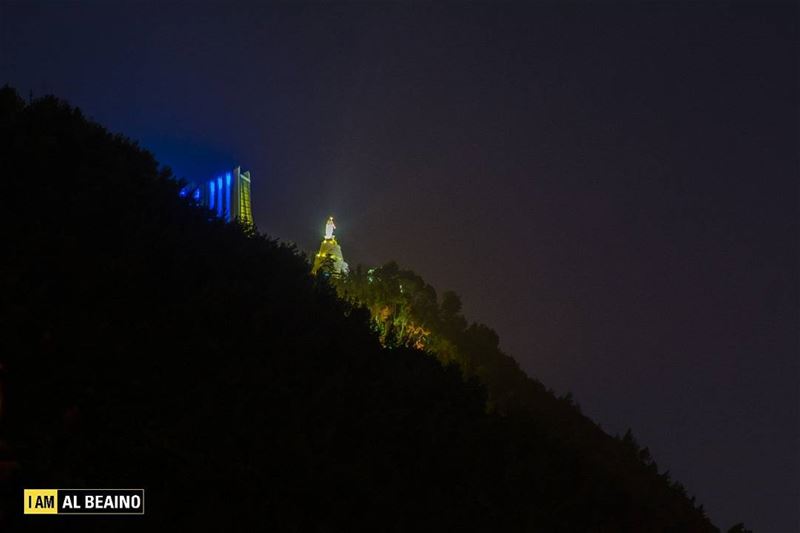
[(147, 344)]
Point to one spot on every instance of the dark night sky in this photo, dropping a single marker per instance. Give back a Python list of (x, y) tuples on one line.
[(612, 187)]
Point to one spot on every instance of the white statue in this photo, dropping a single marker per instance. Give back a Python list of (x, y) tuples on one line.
[(329, 227)]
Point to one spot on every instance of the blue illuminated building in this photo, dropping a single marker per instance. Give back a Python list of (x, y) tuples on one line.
[(228, 195)]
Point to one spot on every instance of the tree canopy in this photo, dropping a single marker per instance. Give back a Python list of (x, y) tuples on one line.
[(147, 344)]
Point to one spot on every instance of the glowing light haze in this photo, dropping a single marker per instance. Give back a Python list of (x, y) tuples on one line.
[(612, 187)]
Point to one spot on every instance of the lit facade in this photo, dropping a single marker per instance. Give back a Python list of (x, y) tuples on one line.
[(228, 195)]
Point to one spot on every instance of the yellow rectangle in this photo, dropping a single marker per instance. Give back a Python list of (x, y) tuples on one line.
[(41, 501)]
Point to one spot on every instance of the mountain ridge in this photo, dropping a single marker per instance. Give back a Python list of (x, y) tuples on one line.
[(149, 344)]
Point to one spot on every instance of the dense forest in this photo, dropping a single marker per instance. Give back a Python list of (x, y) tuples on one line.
[(147, 344)]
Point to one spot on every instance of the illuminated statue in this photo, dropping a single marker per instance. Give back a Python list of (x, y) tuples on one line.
[(329, 259), (329, 227)]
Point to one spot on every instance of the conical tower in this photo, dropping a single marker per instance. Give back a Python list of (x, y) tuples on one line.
[(329, 259)]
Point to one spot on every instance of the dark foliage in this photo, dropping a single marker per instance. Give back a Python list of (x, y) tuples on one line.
[(145, 344), (406, 312)]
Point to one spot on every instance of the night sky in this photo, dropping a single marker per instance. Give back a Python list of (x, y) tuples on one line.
[(612, 187)]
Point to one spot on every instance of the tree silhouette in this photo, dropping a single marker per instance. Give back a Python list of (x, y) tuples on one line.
[(146, 343)]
